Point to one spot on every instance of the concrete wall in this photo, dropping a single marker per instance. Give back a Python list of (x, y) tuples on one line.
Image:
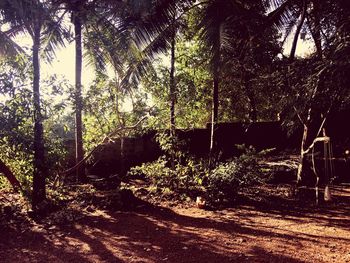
[(261, 135), (138, 150)]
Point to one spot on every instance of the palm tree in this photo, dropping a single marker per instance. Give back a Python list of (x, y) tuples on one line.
[(133, 43), (79, 10), (35, 18), (220, 22), (144, 32), (153, 35), (79, 150), (91, 17), (303, 15)]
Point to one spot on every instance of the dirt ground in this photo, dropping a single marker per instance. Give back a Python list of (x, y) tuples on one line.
[(259, 229)]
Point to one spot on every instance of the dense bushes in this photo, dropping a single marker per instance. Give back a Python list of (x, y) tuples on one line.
[(184, 178), (228, 177), (191, 176)]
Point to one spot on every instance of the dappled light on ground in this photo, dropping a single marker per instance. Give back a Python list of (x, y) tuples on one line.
[(162, 234)]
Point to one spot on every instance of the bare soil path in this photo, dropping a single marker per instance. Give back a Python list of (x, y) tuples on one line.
[(253, 232)]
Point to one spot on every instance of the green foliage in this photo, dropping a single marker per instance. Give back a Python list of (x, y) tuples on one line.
[(224, 182), (109, 108), (15, 118), (57, 121), (185, 178), (193, 86), (16, 131), (219, 39), (182, 175), (191, 176)]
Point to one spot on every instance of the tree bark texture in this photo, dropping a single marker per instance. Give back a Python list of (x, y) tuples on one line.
[(40, 169), (6, 171), (79, 151), (253, 113), (172, 86), (215, 108), (302, 161), (316, 32), (298, 29)]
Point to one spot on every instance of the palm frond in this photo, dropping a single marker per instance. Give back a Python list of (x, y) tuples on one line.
[(8, 47), (54, 35), (220, 23), (288, 28), (281, 15)]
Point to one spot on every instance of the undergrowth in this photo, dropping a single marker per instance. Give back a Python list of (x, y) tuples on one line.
[(177, 173)]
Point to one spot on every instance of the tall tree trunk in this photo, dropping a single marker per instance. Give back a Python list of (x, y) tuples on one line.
[(122, 156), (172, 86), (79, 151), (316, 31), (214, 113), (297, 32), (253, 114), (40, 169), (172, 93)]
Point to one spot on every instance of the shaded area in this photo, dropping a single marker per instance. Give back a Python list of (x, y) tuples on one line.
[(264, 232)]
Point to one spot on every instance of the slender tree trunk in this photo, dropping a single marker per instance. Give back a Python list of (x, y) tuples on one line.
[(310, 131), (40, 169), (172, 86), (122, 156), (172, 93), (79, 151), (328, 169), (316, 32), (214, 114), (302, 160), (116, 93), (253, 114), (297, 32)]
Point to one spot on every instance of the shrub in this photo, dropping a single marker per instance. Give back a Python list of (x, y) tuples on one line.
[(175, 171), (186, 177), (224, 182)]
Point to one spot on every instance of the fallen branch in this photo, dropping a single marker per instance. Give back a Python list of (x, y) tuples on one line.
[(104, 142), (5, 170)]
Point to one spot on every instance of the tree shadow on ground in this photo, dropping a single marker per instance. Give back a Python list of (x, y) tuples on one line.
[(152, 233), (148, 234), (303, 210)]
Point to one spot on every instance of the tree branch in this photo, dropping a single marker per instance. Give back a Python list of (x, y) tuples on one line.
[(104, 142)]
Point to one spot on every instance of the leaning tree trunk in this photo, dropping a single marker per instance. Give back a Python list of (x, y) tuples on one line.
[(297, 32), (40, 169), (79, 151), (6, 171)]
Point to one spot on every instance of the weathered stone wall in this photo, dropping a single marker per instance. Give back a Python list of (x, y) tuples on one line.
[(261, 135), (107, 161)]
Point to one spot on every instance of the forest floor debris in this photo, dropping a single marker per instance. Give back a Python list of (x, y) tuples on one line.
[(267, 225)]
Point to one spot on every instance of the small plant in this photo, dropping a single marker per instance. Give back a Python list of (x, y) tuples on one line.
[(175, 171), (224, 182), (185, 178)]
